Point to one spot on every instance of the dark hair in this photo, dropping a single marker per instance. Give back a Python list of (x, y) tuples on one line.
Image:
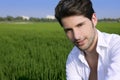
[(67, 8)]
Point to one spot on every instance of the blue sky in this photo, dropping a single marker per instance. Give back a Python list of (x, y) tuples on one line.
[(42, 8)]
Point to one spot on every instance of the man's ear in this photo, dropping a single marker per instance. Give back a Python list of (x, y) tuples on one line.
[(94, 19)]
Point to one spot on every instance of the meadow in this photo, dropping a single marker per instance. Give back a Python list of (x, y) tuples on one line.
[(37, 51)]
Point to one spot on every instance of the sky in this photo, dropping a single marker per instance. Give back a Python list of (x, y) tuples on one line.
[(43, 8)]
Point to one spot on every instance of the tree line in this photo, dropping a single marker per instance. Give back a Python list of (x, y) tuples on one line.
[(110, 19), (21, 19), (33, 19)]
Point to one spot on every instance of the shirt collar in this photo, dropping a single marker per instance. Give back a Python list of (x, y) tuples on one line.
[(101, 40), (100, 44)]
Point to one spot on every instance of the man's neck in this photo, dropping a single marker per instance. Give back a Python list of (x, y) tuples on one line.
[(92, 48), (92, 60)]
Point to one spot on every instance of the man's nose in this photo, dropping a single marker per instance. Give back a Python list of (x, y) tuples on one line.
[(76, 34)]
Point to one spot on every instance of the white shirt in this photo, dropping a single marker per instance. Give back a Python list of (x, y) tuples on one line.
[(108, 48)]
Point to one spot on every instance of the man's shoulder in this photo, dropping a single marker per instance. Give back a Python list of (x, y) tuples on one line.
[(115, 41), (74, 52), (110, 35), (73, 55), (108, 39), (111, 38)]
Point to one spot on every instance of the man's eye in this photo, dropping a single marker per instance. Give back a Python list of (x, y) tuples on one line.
[(79, 25), (67, 30)]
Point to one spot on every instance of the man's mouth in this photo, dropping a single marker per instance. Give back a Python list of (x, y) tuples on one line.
[(80, 42)]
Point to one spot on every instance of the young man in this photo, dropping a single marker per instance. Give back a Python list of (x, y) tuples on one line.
[(96, 55)]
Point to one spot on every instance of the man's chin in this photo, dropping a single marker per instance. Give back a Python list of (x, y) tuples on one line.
[(82, 48)]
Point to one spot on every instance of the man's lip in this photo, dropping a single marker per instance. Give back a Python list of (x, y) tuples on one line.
[(80, 42)]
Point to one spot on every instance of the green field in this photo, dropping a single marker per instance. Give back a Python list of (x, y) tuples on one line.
[(37, 51)]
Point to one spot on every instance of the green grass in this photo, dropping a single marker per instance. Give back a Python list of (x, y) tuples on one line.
[(33, 51), (110, 27), (37, 51)]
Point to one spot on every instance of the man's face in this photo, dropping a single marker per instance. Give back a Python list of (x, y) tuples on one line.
[(80, 30)]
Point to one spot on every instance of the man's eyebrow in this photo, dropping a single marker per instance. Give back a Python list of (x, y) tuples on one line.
[(81, 23), (67, 29)]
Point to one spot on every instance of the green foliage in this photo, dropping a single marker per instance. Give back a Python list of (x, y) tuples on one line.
[(37, 51)]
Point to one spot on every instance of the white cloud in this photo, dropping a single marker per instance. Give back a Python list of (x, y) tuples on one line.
[(25, 17), (50, 17)]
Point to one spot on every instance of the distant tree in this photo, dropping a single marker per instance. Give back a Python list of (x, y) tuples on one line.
[(19, 18), (10, 18), (2, 19), (118, 20), (34, 19)]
